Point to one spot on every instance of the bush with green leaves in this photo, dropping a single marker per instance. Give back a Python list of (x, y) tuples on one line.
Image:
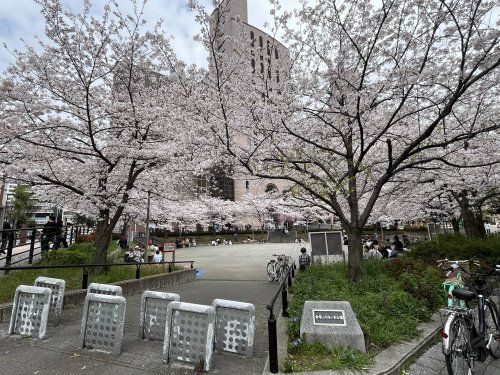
[(457, 247), (390, 302)]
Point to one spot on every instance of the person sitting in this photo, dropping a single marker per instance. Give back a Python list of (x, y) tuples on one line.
[(157, 257), (373, 253), (366, 252), (304, 259), (214, 243), (127, 258), (193, 242), (398, 245)]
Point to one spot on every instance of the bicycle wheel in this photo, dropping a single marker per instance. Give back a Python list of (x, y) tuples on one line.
[(491, 319), (283, 273), (460, 360), (271, 273)]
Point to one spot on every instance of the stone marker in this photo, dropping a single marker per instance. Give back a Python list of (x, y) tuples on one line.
[(332, 323)]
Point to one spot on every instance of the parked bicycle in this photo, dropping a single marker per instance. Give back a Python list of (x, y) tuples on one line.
[(277, 269), (463, 341)]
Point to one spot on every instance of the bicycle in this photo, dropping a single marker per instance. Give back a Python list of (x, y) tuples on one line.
[(463, 343), (277, 269)]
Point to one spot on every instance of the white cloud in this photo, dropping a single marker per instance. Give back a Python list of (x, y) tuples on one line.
[(21, 19)]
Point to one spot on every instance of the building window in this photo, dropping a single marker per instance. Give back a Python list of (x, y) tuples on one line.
[(276, 53), (261, 42), (268, 48), (269, 73), (253, 65), (277, 76), (252, 39), (247, 185), (262, 68), (271, 188)]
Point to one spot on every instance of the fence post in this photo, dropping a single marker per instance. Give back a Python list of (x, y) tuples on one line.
[(71, 236), (289, 278), (273, 341), (32, 246), (191, 264), (169, 267), (293, 270), (284, 301), (88, 230), (85, 278), (138, 272)]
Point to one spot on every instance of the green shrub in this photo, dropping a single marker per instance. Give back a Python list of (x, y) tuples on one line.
[(457, 247), (391, 300), (65, 257)]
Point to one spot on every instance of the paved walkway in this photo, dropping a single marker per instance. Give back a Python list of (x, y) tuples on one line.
[(432, 362), (232, 272)]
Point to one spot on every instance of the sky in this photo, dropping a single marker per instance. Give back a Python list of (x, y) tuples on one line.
[(21, 19)]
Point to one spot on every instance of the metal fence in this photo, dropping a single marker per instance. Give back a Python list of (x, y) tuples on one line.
[(25, 244), (271, 321)]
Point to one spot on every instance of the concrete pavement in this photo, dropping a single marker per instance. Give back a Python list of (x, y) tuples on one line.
[(234, 272)]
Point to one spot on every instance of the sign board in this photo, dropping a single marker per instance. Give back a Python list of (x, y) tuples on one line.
[(329, 317), (326, 245), (169, 247)]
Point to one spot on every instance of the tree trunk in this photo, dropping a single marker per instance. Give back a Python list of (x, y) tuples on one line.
[(355, 256), (473, 223), (456, 227), (104, 232)]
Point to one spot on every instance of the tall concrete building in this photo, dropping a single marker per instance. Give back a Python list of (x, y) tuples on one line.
[(266, 60)]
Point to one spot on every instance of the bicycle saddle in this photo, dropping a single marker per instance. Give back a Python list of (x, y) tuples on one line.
[(465, 295), (272, 260)]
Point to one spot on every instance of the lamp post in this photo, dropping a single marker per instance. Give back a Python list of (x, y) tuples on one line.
[(146, 250)]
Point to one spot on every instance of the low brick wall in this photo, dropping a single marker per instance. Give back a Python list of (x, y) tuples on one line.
[(77, 297)]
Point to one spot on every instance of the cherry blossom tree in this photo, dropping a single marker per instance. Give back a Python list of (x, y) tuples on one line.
[(91, 115), (366, 95)]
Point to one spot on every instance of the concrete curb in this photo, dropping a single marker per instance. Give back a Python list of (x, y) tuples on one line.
[(394, 359)]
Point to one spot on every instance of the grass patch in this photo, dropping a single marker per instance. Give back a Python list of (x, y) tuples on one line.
[(393, 298), (78, 253), (315, 357), (457, 247)]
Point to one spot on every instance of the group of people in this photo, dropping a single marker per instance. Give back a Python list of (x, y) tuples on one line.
[(185, 242), (374, 249), (137, 255), (52, 232), (219, 242)]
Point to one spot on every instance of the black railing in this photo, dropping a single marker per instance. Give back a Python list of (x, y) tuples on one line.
[(33, 238), (271, 321), (86, 268)]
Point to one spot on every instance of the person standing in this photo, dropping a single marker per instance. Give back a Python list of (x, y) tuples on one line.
[(49, 234), (304, 259), (6, 233), (122, 242)]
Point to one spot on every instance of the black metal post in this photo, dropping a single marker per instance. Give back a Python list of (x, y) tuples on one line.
[(88, 230), (138, 272), (85, 278), (289, 279), (66, 236), (284, 301), (169, 267), (71, 236), (273, 342), (191, 264), (293, 270), (32, 246)]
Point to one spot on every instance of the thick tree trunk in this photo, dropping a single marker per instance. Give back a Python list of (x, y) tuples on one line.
[(355, 257), (473, 223), (104, 231)]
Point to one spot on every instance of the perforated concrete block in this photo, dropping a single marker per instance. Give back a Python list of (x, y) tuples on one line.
[(234, 326), (102, 323), (189, 334), (154, 314), (57, 286), (30, 312), (105, 289)]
